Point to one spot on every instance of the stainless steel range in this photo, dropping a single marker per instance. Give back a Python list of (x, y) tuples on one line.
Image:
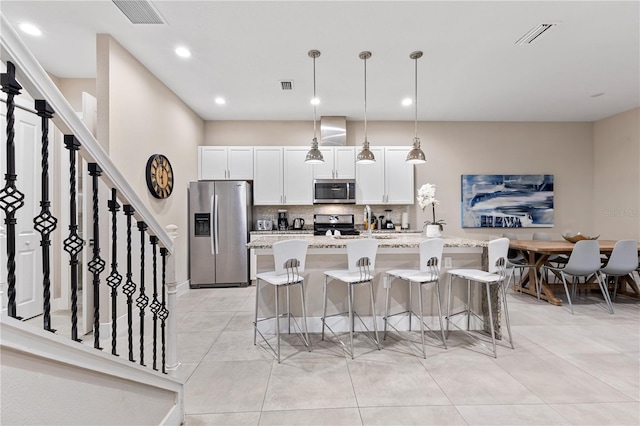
[(334, 222)]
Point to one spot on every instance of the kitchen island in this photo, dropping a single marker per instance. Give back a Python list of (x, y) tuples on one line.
[(395, 250)]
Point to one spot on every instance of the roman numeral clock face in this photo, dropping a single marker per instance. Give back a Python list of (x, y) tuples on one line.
[(159, 174)]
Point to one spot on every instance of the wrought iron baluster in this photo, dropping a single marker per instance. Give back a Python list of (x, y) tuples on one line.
[(96, 265), (45, 222), (114, 279), (155, 305), (129, 286), (142, 300), (73, 244), (164, 313), (11, 199)]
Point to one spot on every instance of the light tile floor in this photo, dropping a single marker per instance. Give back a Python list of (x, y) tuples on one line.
[(579, 369)]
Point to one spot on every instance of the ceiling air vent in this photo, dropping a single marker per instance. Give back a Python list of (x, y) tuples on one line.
[(139, 11), (286, 84), (534, 33)]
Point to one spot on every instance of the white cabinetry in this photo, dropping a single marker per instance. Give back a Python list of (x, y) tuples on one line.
[(225, 163), (388, 181), (282, 177), (339, 163)]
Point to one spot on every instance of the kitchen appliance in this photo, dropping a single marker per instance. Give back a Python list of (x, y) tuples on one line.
[(219, 222), (334, 222), (260, 225), (268, 224), (283, 222), (298, 223), (334, 191), (388, 224)]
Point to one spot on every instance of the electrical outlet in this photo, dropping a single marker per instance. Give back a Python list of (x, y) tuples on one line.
[(447, 262)]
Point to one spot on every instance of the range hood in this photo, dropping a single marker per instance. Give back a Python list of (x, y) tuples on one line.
[(333, 130)]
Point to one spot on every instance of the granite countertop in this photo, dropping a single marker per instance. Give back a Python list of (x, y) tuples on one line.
[(386, 240), (288, 231)]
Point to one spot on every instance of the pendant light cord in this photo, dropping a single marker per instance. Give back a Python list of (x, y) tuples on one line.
[(314, 97), (365, 99), (416, 95)]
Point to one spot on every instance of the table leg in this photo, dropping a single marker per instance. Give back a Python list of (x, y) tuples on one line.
[(545, 291)]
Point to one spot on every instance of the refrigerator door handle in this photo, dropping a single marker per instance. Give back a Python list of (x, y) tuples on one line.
[(212, 224), (216, 228)]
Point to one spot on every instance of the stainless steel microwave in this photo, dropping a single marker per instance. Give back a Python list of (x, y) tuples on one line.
[(334, 191)]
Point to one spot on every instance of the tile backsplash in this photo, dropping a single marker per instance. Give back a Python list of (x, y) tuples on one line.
[(307, 212)]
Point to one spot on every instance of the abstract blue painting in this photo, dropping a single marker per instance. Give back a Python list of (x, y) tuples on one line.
[(507, 201)]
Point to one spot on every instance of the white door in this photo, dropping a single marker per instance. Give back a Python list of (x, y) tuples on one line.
[(240, 162), (398, 176), (267, 176), (370, 180), (345, 162), (29, 292), (212, 164), (325, 170), (298, 177)]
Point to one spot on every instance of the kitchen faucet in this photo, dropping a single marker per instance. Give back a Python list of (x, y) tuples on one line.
[(367, 220)]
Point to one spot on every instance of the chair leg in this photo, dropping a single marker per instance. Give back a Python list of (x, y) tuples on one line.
[(566, 290), (324, 306), (615, 289), (373, 314), (277, 320), (511, 273), (255, 322), (449, 295), (304, 316), (424, 350), (350, 302), (506, 313), (467, 306), (386, 306), (288, 310), (444, 341), (493, 334), (605, 292), (410, 307)]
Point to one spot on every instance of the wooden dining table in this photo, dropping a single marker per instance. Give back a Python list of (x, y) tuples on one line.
[(537, 252)]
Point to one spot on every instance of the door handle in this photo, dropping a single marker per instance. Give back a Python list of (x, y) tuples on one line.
[(217, 227)]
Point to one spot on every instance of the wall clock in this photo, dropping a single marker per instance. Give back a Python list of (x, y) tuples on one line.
[(159, 174)]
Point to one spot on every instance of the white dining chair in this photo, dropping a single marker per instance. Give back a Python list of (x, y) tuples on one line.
[(429, 273), (361, 260), (289, 258), (515, 260), (584, 261), (496, 275), (623, 261)]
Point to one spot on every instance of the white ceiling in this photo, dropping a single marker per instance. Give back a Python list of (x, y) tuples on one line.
[(471, 69)]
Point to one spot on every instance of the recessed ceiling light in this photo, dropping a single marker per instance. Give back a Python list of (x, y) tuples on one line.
[(596, 95), (315, 101), (30, 29), (183, 52), (220, 101), (407, 101)]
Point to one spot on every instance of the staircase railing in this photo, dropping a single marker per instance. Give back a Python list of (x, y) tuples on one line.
[(155, 298)]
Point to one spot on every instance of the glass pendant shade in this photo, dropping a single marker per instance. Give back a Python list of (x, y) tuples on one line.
[(365, 156), (314, 156), (416, 156)]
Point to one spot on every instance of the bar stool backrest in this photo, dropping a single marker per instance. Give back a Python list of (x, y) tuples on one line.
[(623, 259), (289, 249), (497, 249), (358, 249), (584, 259), (430, 248)]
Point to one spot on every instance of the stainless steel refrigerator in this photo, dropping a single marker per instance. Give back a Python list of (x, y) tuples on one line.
[(219, 224)]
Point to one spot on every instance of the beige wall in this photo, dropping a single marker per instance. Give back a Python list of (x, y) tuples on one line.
[(455, 148), (73, 88), (616, 200), (146, 118)]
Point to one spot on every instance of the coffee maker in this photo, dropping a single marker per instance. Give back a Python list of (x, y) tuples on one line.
[(283, 222)]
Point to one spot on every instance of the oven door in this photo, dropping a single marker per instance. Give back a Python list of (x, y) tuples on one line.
[(334, 191)]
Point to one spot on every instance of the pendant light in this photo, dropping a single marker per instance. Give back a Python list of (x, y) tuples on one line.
[(365, 156), (314, 156), (416, 156)]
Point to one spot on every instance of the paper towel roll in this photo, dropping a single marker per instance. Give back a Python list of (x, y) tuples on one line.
[(405, 220)]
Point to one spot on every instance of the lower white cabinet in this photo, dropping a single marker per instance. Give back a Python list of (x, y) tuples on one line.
[(281, 177), (388, 181)]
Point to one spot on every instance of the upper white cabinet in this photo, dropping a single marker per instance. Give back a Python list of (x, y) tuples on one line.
[(339, 163), (225, 163), (281, 177), (388, 181)]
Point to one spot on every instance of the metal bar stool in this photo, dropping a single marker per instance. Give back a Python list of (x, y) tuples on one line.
[(498, 250), (361, 257), (429, 273), (289, 257)]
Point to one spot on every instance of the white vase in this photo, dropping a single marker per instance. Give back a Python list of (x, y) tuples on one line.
[(433, 231)]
